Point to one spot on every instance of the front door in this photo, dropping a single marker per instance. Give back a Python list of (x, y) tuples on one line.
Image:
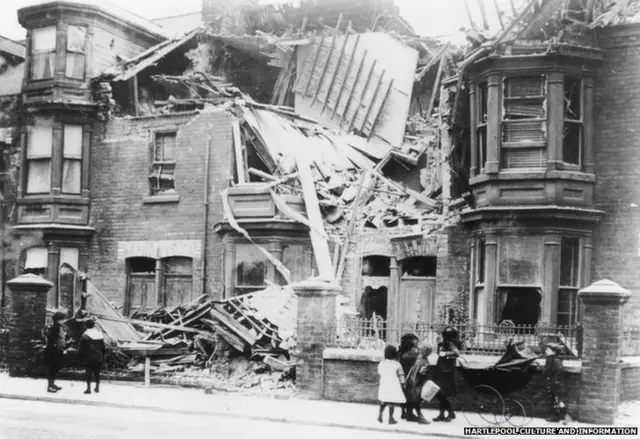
[(416, 301)]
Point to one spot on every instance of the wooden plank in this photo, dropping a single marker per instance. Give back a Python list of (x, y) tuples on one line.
[(237, 146), (377, 116), (319, 244), (335, 73), (345, 78), (436, 85), (324, 69), (372, 100), (236, 327), (222, 332), (136, 102), (483, 12), (313, 66), (471, 22), (150, 324), (353, 87), (362, 95)]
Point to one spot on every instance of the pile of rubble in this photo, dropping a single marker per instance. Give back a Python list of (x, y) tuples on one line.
[(245, 342)]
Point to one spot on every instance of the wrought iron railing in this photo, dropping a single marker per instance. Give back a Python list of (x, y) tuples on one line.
[(490, 339), (631, 340)]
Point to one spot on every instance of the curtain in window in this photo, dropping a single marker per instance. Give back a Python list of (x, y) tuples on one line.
[(72, 164), (44, 47), (70, 255), (520, 260), (39, 144), (36, 258), (75, 63)]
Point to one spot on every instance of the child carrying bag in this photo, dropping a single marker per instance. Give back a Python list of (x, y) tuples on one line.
[(429, 390)]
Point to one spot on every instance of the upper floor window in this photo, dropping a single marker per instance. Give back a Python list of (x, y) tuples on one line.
[(72, 159), (481, 127), (573, 129), (43, 52), (38, 160), (162, 178), (76, 42), (524, 130)]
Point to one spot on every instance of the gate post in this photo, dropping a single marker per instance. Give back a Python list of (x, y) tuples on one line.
[(316, 326), (26, 314), (602, 340)]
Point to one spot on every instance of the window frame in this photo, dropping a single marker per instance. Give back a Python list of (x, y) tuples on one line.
[(482, 122), (573, 312), (29, 159), (162, 167), (580, 123), (79, 160), (248, 288), (34, 55), (82, 51), (541, 146)]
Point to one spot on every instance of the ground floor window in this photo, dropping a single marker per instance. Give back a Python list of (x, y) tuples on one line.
[(520, 305), (154, 283)]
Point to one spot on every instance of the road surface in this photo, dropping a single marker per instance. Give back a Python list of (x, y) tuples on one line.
[(46, 420)]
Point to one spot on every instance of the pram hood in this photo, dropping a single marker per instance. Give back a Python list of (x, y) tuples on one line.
[(517, 354)]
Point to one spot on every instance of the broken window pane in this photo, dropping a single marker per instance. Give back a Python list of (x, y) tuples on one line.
[(572, 134), (294, 257), (520, 260), (76, 37), (569, 262), (572, 98), (521, 305), (481, 145), (43, 66), (482, 103), (72, 159), (251, 268), (523, 158)]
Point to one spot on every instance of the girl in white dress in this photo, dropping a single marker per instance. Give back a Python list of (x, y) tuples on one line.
[(391, 381)]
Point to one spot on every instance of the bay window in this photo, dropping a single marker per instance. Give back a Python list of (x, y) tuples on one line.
[(43, 53), (72, 159), (38, 158), (75, 62), (250, 269), (481, 125), (524, 122)]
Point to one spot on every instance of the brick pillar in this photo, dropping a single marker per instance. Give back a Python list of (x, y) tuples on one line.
[(600, 381), (316, 326), (26, 313)]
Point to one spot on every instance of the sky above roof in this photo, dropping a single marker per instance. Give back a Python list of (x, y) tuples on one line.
[(428, 17)]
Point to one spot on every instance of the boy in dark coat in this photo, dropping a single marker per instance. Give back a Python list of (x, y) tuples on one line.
[(92, 353), (445, 374), (553, 376), (54, 350), (417, 377)]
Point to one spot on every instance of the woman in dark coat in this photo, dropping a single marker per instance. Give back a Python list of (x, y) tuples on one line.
[(54, 351), (92, 352), (408, 354), (417, 376), (445, 374)]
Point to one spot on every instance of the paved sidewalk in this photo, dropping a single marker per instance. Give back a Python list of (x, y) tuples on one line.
[(195, 401)]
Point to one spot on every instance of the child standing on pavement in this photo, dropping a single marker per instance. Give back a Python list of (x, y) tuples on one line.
[(391, 381), (91, 352)]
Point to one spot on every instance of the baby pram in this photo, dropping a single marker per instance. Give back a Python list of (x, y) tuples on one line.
[(493, 388)]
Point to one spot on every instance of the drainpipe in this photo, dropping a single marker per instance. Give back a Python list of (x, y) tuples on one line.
[(203, 258)]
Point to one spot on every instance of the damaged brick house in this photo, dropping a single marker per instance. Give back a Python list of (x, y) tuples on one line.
[(129, 137)]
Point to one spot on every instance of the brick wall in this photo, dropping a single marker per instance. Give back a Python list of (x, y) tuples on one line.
[(452, 276), (616, 241), (630, 383), (121, 155)]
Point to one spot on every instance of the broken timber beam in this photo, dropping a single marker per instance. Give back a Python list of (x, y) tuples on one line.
[(319, 244), (353, 87), (335, 72), (364, 92), (379, 111), (372, 100), (436, 84), (313, 66), (238, 147)]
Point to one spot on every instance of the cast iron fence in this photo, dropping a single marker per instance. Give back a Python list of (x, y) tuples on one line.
[(482, 339), (631, 340)]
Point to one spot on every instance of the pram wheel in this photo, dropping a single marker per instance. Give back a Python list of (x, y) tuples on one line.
[(488, 404), (515, 413)]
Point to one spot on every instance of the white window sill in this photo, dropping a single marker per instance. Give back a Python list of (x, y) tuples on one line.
[(154, 199)]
